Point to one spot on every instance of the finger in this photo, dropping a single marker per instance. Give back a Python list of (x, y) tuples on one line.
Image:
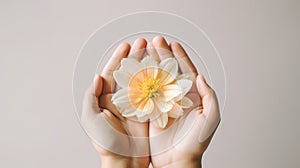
[(203, 88), (98, 84), (90, 106), (113, 121), (152, 51), (185, 64), (113, 63), (105, 103), (90, 102), (162, 47), (210, 116), (138, 49)]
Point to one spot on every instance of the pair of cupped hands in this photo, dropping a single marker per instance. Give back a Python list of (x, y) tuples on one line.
[(125, 142)]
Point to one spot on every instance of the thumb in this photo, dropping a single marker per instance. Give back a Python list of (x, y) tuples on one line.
[(202, 87), (90, 106), (210, 115), (98, 85)]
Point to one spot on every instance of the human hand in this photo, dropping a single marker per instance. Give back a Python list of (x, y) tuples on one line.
[(172, 146), (120, 142)]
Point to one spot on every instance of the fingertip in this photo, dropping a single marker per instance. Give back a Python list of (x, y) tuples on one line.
[(178, 50), (162, 47), (138, 44), (97, 85), (140, 41), (174, 44), (124, 46), (122, 50), (138, 48), (159, 40), (202, 85)]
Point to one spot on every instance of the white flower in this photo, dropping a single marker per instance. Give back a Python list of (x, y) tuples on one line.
[(151, 90)]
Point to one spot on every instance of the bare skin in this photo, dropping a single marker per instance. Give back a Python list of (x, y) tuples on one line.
[(102, 90), (189, 152)]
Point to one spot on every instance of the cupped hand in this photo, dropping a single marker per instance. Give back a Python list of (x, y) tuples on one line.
[(120, 142), (183, 141)]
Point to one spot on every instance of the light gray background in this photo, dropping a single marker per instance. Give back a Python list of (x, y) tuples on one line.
[(257, 40)]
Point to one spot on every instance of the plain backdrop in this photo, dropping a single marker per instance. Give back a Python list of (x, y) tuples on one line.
[(257, 40)]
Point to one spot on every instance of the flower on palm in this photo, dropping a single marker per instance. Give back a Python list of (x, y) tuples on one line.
[(151, 90)]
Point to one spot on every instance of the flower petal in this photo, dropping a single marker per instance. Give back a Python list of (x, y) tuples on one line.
[(170, 91), (128, 111), (122, 78), (169, 65), (189, 75), (186, 102), (160, 121), (176, 111), (165, 77), (131, 65), (155, 114), (162, 105), (149, 61), (145, 107), (121, 100), (185, 86), (151, 72)]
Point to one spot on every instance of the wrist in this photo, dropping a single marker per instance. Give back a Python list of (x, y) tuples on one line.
[(109, 161), (174, 162), (185, 163), (124, 162)]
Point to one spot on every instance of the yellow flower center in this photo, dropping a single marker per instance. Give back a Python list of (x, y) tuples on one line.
[(149, 88), (145, 85)]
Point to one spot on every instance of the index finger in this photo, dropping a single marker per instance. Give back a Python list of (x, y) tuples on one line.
[(113, 63)]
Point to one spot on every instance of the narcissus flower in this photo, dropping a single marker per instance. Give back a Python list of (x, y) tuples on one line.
[(151, 90)]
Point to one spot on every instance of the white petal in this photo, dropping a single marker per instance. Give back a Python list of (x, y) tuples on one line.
[(185, 86), (165, 78), (154, 115), (146, 107), (186, 102), (189, 75), (169, 65), (128, 111), (131, 65), (121, 100), (162, 105), (176, 111), (122, 78), (170, 91), (161, 121), (149, 61)]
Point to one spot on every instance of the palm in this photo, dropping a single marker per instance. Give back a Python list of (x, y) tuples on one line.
[(112, 134), (186, 138), (127, 126)]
